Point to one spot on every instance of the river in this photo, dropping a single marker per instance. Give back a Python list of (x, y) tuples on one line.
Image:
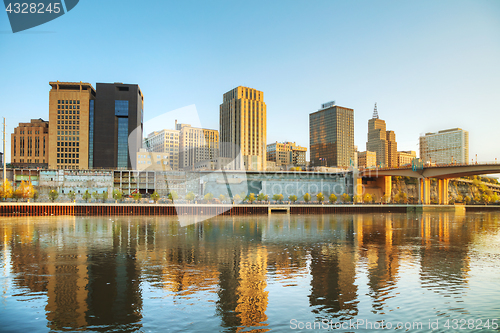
[(282, 273)]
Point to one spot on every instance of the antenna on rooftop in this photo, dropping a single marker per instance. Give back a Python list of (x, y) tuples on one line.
[(375, 113)]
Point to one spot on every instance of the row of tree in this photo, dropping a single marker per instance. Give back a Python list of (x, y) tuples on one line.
[(24, 191)]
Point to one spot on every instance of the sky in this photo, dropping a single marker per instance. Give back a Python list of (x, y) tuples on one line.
[(429, 65)]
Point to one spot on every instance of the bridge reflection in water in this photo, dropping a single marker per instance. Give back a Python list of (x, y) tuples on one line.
[(135, 273)]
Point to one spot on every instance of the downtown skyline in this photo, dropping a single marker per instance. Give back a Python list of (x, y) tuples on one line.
[(409, 58)]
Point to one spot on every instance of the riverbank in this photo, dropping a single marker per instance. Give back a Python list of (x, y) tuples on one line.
[(96, 209)]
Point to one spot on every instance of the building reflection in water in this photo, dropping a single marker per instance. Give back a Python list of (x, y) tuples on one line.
[(91, 269)]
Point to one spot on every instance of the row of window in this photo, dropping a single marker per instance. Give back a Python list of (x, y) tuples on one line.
[(66, 107), (68, 112), (68, 101), (69, 133), (68, 155), (65, 150), (68, 161), (67, 144), (70, 127)]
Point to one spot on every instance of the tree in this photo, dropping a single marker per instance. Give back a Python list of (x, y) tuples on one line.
[(459, 198), (24, 191), (266, 198), (467, 199), (320, 197), (236, 198), (250, 197), (96, 195), (104, 196), (208, 197), (292, 198), (7, 193), (53, 194), (261, 196), (137, 196), (86, 196), (494, 197), (307, 197), (278, 197), (155, 196), (485, 198), (356, 198), (345, 197), (190, 196), (332, 198), (367, 198), (71, 195), (117, 195), (173, 196), (222, 198)]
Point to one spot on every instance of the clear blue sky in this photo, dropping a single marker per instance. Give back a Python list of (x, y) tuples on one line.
[(429, 65)]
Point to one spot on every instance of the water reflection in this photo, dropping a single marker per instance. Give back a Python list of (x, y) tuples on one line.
[(130, 274)]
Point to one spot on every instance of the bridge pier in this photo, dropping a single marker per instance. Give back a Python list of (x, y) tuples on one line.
[(443, 191), (424, 195), (385, 183)]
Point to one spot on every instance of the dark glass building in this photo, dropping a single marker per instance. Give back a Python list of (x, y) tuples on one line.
[(331, 136), (117, 119)]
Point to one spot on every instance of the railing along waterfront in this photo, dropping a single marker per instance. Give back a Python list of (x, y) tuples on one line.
[(96, 209)]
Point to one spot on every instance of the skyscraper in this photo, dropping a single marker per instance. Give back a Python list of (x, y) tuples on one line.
[(392, 150), (447, 146), (331, 136), (382, 142), (243, 127), (70, 104), (117, 122)]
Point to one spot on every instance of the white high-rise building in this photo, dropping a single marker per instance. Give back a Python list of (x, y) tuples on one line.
[(166, 142), (447, 146)]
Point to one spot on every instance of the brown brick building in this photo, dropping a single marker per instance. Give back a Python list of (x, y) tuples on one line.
[(30, 144)]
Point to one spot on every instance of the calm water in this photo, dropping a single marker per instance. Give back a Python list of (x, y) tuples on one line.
[(251, 274)]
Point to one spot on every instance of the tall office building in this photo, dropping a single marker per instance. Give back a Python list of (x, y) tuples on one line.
[(447, 146), (196, 145), (331, 136), (392, 149), (243, 127), (117, 126), (165, 142), (377, 138), (70, 104), (30, 145), (382, 142)]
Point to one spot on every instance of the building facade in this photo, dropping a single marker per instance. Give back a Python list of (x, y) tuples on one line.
[(286, 153), (405, 158), (70, 104), (30, 145), (446, 146), (117, 126), (165, 142), (196, 145), (243, 127), (382, 142), (331, 136), (392, 150), (367, 159)]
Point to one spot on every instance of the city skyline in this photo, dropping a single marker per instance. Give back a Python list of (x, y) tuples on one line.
[(409, 58)]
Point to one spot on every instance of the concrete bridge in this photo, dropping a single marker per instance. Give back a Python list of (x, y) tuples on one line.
[(442, 172)]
